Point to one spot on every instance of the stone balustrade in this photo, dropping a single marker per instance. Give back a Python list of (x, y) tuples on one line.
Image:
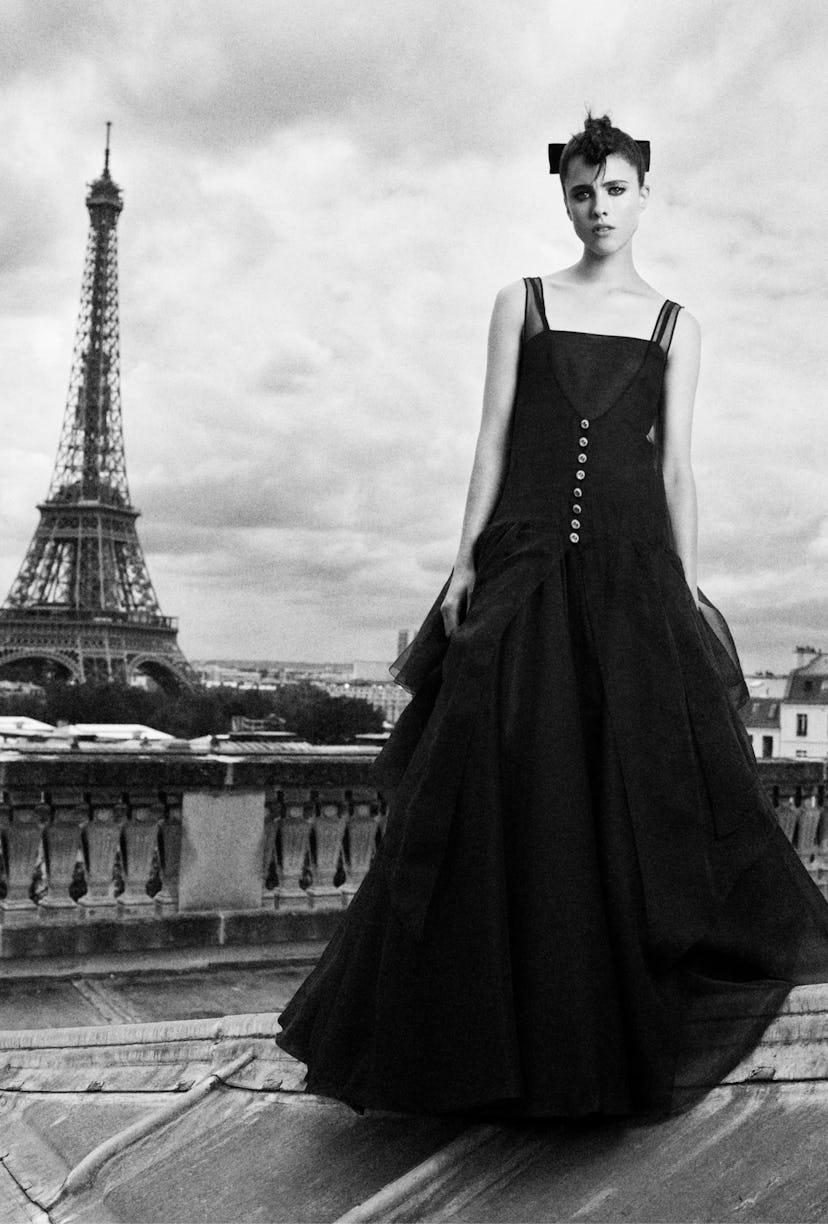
[(107, 850), (799, 794)]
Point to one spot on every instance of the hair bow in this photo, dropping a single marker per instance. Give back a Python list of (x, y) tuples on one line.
[(555, 151)]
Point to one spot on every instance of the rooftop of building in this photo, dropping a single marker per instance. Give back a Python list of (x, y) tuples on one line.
[(139, 1076), (816, 666), (148, 1087), (764, 684), (762, 712), (808, 685), (19, 725)]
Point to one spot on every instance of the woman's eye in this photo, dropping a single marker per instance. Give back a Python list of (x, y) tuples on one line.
[(617, 190)]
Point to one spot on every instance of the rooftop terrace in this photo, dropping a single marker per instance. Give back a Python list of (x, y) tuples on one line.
[(139, 1077)]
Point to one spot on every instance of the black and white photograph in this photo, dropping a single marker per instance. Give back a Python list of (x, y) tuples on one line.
[(414, 617)]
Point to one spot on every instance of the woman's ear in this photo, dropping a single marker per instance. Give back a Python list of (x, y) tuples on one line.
[(643, 195)]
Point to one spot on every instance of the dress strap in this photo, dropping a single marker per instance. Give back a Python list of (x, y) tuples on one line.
[(665, 325), (535, 314)]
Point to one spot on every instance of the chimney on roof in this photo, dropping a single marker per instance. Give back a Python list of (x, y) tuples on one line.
[(804, 653)]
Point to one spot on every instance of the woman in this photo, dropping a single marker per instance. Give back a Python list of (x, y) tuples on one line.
[(579, 847)]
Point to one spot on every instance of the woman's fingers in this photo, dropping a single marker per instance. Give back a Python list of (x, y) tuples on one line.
[(455, 602), (448, 608)]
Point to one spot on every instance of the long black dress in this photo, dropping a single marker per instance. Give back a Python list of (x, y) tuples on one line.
[(578, 843)]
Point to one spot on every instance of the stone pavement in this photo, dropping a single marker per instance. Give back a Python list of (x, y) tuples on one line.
[(144, 986)]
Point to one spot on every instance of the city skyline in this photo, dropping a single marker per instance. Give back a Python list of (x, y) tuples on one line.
[(317, 217)]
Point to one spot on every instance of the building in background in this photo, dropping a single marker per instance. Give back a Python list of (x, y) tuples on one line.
[(761, 719), (366, 679), (787, 716), (803, 730)]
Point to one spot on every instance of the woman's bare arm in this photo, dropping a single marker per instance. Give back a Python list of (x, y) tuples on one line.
[(490, 451), (680, 380)]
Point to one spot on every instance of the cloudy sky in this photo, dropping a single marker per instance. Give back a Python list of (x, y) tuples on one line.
[(321, 201)]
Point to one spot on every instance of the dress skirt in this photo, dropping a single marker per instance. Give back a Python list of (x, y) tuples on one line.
[(548, 980)]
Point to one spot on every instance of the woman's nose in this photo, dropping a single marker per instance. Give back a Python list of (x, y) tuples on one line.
[(599, 207)]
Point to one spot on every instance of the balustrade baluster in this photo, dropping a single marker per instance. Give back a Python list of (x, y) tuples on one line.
[(788, 816), (269, 850), (62, 841), (329, 825), (21, 819), (822, 831), (362, 838), (806, 843), (294, 837), (383, 813), (139, 837), (101, 835), (169, 834)]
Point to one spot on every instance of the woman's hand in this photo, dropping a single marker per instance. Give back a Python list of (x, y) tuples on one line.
[(455, 605)]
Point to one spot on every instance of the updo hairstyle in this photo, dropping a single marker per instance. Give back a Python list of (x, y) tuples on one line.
[(596, 142)]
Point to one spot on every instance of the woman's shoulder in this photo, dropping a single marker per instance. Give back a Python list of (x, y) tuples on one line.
[(513, 292), (510, 301), (687, 326)]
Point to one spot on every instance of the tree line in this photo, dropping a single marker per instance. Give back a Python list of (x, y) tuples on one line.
[(307, 710)]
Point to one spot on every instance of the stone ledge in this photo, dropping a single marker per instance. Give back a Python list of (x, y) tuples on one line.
[(169, 772), (195, 929), (161, 962)]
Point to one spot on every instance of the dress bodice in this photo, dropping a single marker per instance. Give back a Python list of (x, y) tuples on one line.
[(583, 451)]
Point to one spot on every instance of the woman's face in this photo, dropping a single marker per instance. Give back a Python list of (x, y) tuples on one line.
[(604, 205)]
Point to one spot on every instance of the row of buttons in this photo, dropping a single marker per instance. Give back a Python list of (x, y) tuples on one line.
[(575, 523)]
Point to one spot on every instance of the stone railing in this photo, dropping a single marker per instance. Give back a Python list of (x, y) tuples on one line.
[(799, 792), (108, 850)]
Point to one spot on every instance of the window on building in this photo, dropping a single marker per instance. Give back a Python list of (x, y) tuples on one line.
[(767, 745), (802, 752), (802, 724)]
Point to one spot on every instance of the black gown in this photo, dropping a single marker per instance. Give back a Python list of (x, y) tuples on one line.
[(579, 846)]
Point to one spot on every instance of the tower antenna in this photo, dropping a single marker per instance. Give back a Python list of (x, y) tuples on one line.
[(106, 151)]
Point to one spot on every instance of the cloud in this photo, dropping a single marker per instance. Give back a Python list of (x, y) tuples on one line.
[(321, 201)]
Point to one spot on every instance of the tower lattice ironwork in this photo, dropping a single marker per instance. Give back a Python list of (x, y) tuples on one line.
[(83, 606)]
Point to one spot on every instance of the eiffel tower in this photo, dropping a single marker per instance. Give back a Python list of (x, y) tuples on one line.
[(83, 607)]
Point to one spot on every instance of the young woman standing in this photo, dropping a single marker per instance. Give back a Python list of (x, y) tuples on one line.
[(579, 847)]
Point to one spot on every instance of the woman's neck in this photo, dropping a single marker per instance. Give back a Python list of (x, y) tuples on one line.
[(606, 272)]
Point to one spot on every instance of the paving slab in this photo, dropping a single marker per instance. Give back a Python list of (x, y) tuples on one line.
[(40, 1004), (146, 990), (218, 992)]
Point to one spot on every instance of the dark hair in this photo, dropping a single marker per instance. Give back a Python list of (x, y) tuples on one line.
[(596, 142)]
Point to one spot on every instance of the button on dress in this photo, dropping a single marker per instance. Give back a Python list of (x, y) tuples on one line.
[(579, 846)]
